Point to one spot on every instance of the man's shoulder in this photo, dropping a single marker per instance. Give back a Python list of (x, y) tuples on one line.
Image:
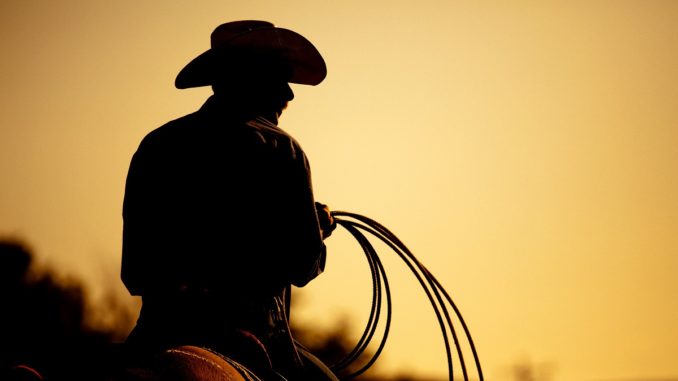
[(272, 135), (172, 130)]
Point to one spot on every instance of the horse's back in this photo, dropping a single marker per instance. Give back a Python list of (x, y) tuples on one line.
[(181, 363), (188, 363)]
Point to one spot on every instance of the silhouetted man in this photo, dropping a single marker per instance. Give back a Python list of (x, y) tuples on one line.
[(219, 214)]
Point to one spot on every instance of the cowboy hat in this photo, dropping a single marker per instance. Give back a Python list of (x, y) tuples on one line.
[(243, 42)]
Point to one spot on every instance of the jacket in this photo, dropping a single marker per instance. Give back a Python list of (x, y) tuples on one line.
[(219, 200)]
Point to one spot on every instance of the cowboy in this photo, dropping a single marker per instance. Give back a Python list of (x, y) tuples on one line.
[(219, 214)]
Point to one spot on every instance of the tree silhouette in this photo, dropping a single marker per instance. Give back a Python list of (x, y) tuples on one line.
[(48, 326)]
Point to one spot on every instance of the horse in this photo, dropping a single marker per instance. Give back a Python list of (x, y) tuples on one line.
[(195, 363), (178, 363)]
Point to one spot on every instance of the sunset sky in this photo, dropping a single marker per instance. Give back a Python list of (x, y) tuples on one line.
[(525, 151)]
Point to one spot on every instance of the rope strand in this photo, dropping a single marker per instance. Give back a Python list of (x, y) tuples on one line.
[(436, 294)]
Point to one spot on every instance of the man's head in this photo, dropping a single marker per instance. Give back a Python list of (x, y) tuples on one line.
[(267, 98), (255, 51)]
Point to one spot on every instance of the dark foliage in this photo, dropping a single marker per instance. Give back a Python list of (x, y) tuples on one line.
[(48, 328), (45, 324)]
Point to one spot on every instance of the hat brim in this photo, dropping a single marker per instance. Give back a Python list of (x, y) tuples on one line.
[(302, 58)]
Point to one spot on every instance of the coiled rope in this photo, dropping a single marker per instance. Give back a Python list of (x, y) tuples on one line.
[(356, 224)]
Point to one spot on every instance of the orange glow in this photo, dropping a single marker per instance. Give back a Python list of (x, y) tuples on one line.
[(525, 152)]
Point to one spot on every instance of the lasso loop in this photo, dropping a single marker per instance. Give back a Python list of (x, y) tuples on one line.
[(355, 224)]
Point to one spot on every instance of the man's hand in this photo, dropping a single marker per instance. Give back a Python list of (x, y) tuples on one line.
[(327, 223)]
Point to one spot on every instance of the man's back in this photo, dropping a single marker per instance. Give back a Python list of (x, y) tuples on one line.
[(211, 197)]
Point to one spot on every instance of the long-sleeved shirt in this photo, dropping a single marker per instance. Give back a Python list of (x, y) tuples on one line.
[(216, 200)]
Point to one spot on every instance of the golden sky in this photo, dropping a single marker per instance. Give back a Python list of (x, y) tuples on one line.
[(525, 151)]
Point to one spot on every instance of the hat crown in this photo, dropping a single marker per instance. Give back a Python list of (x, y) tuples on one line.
[(226, 32)]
